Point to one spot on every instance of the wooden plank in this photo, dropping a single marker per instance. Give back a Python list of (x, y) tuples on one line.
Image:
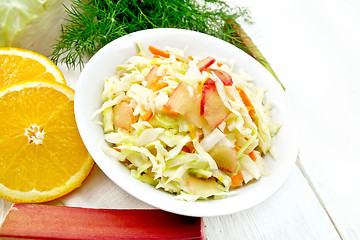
[(293, 212), (315, 54)]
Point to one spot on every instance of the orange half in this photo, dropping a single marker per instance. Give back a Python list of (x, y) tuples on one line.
[(42, 155), (20, 64)]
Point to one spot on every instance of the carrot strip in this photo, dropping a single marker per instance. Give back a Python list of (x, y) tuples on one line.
[(245, 98), (252, 113), (247, 102), (165, 109), (146, 117), (158, 52), (237, 180), (159, 85), (116, 149), (191, 58), (219, 64), (237, 148), (252, 155), (249, 108)]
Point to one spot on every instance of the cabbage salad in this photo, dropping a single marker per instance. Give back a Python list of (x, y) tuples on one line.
[(186, 124)]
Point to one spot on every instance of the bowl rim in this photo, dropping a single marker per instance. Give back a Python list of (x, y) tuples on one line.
[(205, 208)]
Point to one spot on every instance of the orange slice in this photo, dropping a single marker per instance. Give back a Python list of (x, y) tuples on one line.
[(42, 155), (19, 64)]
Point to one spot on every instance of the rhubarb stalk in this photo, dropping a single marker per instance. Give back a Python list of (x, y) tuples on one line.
[(59, 222), (251, 48)]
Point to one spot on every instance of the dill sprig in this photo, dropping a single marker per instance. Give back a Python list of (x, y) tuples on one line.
[(91, 24)]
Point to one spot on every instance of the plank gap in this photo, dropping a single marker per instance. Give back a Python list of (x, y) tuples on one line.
[(317, 195)]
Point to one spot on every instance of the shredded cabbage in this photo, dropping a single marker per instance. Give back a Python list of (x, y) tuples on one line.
[(170, 142)]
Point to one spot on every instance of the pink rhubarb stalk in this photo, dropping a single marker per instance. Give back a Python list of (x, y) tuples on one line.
[(59, 222)]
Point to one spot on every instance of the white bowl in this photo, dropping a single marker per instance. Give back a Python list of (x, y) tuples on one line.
[(88, 99)]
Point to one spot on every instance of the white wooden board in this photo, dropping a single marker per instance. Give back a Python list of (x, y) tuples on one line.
[(314, 48), (293, 212)]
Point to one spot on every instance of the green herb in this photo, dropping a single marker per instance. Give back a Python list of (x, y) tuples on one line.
[(92, 24)]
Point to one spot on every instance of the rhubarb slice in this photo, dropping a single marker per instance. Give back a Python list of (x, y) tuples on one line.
[(193, 112), (58, 222), (209, 82), (225, 158), (123, 115), (223, 76), (150, 78), (205, 63), (212, 107), (180, 99), (203, 187)]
